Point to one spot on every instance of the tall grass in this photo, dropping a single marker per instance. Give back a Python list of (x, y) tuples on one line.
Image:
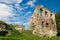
[(25, 35)]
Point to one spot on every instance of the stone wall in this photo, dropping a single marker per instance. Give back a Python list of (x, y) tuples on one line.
[(43, 23), (20, 28)]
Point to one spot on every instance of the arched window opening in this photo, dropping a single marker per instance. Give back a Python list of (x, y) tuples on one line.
[(42, 24), (52, 23), (50, 15), (45, 12), (33, 26), (47, 24), (41, 11)]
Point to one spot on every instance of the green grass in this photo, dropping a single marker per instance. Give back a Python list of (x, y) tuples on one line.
[(25, 35)]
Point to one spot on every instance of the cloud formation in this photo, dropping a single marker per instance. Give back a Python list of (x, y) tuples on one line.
[(5, 12), (13, 13), (10, 1), (31, 3)]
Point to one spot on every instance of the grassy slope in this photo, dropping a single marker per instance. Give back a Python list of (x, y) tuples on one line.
[(26, 35)]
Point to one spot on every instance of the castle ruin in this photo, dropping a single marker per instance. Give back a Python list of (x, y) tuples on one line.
[(43, 23)]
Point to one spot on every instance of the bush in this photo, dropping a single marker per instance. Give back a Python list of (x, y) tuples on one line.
[(3, 33)]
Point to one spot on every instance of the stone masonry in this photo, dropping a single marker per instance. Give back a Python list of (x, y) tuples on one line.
[(43, 23)]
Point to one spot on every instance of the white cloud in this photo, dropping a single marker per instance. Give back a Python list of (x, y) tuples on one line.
[(11, 1), (27, 13), (27, 23), (19, 1), (31, 3), (5, 12), (42, 5)]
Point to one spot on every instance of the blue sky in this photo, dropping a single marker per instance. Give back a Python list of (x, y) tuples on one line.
[(20, 11)]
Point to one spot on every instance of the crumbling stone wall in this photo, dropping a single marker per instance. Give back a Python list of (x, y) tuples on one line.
[(20, 28), (43, 23)]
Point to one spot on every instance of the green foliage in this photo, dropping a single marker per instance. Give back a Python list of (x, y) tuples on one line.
[(1, 22), (58, 22), (26, 35), (8, 27), (2, 31)]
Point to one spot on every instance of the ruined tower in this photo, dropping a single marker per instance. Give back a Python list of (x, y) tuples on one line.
[(43, 23)]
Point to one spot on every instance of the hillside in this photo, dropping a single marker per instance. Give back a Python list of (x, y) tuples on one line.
[(25, 35)]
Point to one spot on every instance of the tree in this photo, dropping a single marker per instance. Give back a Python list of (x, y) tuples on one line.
[(3, 28), (58, 22), (7, 29)]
